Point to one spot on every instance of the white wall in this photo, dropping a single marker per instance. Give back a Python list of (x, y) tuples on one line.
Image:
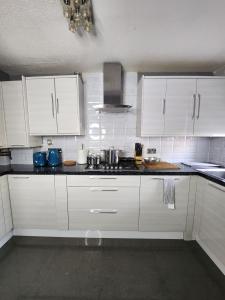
[(119, 130)]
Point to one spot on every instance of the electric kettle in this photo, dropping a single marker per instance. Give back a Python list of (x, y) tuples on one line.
[(54, 157)]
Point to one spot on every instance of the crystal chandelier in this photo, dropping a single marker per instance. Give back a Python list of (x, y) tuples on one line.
[(79, 14)]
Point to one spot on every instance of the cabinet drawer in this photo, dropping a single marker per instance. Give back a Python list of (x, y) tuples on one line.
[(102, 219), (103, 197), (103, 208), (103, 180)]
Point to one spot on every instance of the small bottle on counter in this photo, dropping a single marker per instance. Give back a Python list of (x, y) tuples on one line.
[(138, 153)]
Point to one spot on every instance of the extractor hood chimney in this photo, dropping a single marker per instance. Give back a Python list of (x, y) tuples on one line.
[(113, 89)]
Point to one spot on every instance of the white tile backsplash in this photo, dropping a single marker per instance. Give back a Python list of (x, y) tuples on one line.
[(217, 151), (118, 130)]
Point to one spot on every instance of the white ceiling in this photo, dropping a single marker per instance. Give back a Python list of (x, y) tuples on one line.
[(144, 35)]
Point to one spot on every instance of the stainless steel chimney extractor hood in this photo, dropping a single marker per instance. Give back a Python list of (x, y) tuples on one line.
[(113, 89)]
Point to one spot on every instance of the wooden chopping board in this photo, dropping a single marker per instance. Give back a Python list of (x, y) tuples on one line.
[(162, 165)]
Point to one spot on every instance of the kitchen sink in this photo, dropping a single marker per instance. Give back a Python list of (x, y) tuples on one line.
[(216, 172)]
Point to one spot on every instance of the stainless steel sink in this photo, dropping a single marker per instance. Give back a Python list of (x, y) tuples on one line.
[(216, 172)]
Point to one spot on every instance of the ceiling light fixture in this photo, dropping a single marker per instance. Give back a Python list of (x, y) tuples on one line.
[(79, 14)]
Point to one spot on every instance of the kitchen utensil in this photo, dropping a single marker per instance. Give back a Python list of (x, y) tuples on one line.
[(151, 160), (54, 157), (40, 159)]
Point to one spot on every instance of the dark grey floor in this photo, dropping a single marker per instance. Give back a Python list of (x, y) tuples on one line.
[(61, 269)]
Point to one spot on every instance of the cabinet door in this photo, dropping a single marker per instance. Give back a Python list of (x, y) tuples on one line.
[(14, 113), (2, 122), (2, 222), (67, 105), (180, 106), (210, 108), (41, 106), (6, 203), (154, 214), (33, 201), (153, 101), (211, 228)]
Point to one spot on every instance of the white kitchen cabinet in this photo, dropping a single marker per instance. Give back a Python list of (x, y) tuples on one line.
[(154, 214), (180, 106), (210, 107), (5, 207), (103, 205), (55, 105), (210, 221), (33, 201), (3, 141), (151, 107), (103, 180), (2, 221), (61, 202), (16, 119)]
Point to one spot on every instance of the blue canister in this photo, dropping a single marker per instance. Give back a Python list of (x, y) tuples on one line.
[(40, 159), (54, 157)]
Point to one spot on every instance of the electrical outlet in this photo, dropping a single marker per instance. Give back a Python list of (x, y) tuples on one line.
[(151, 150)]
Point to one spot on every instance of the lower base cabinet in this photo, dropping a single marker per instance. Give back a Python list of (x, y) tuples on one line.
[(154, 214), (209, 226), (103, 208), (33, 201), (103, 202), (5, 208)]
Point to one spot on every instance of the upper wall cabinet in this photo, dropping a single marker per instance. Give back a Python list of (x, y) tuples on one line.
[(152, 106), (210, 107), (16, 119), (55, 105), (3, 141), (181, 106)]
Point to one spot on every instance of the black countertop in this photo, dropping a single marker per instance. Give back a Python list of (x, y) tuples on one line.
[(80, 170)]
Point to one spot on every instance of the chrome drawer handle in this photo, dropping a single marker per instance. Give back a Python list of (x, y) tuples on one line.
[(103, 211), (216, 187), (103, 190), (21, 177), (96, 177)]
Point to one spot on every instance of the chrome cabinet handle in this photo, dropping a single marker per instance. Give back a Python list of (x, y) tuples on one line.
[(103, 190), (164, 106), (53, 114), (96, 177), (194, 105), (103, 211), (199, 105), (17, 145), (216, 187), (57, 105), (21, 177), (159, 178)]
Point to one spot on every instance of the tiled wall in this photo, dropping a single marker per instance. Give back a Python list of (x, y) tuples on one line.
[(217, 151), (119, 130)]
